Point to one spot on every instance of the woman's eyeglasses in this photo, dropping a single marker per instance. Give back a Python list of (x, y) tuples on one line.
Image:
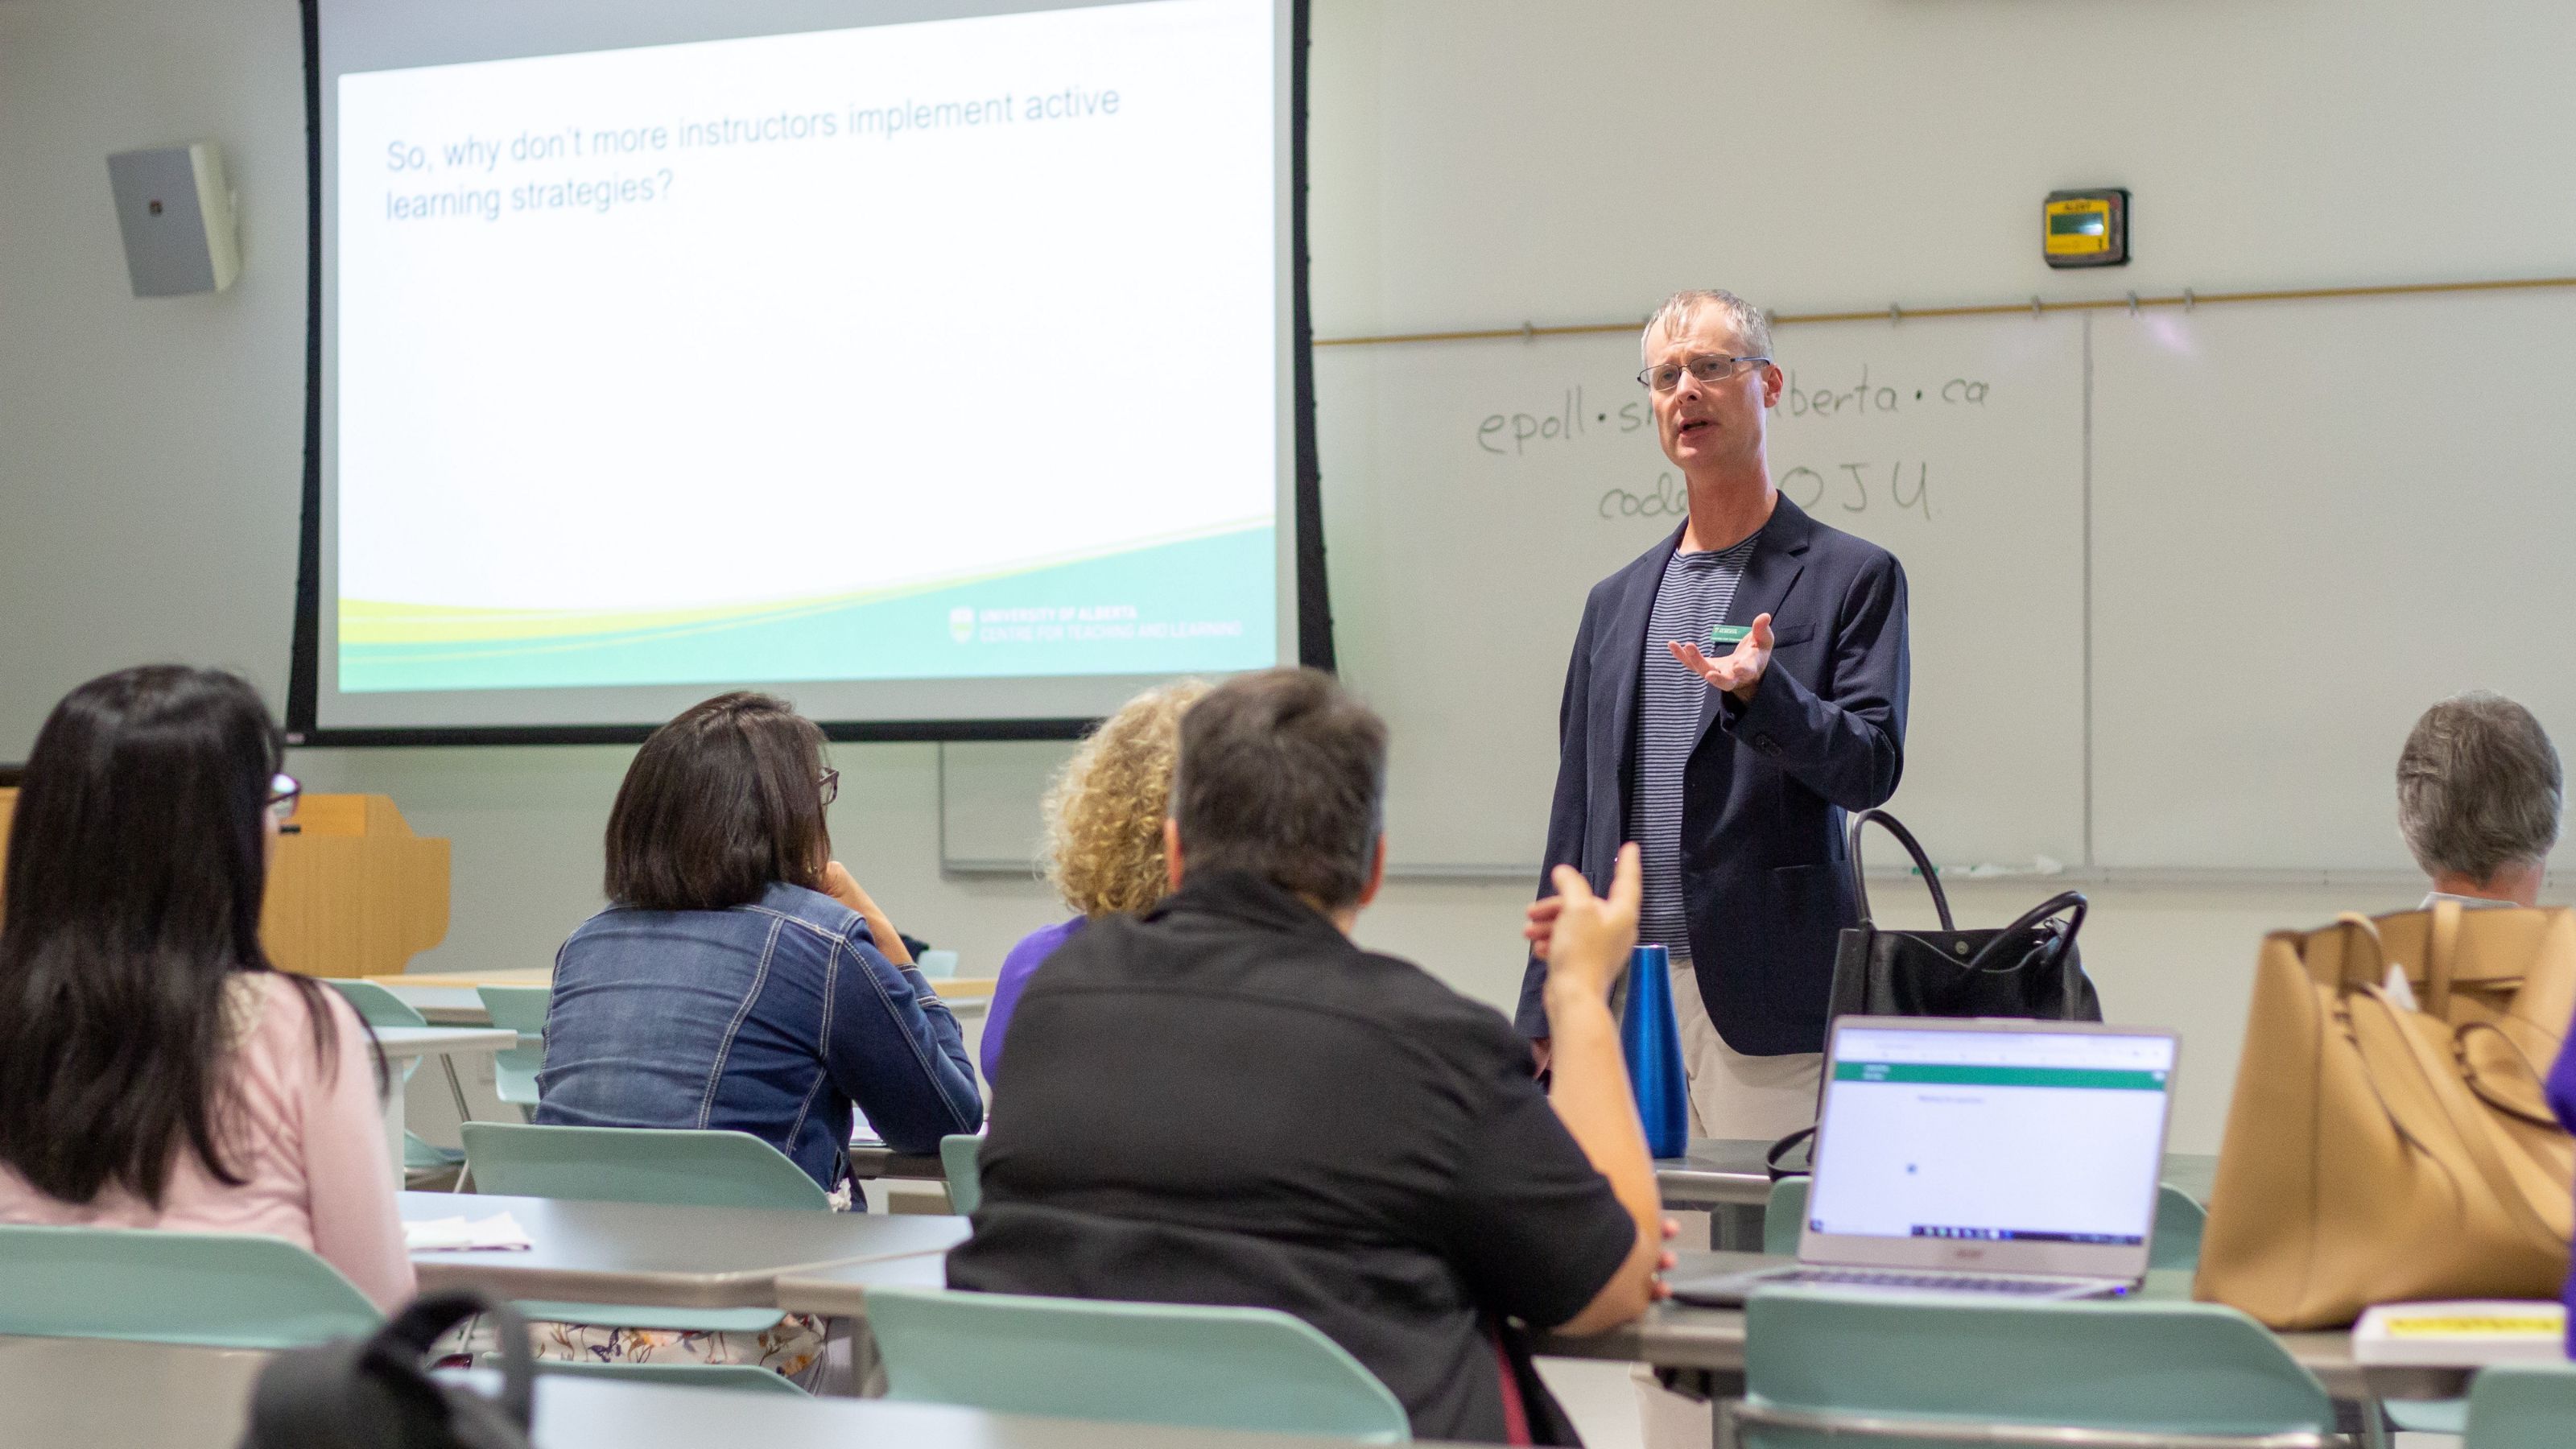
[(283, 791), (831, 785)]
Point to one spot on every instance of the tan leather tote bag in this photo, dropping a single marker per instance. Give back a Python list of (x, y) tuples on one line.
[(2377, 1154)]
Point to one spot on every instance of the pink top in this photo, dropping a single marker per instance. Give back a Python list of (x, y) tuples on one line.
[(311, 1145)]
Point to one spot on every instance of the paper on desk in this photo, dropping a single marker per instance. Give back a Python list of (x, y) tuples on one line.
[(499, 1231), (2461, 1333)]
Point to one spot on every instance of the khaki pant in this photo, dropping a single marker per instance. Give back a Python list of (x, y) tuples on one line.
[(1732, 1095)]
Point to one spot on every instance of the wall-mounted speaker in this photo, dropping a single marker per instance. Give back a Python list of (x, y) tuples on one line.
[(176, 212)]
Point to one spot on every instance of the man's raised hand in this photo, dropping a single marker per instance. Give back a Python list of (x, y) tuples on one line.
[(1738, 672), (1589, 943)]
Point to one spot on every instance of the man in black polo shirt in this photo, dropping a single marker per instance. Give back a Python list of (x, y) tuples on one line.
[(1226, 1101)]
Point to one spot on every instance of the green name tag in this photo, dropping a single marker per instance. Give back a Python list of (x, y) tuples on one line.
[(1727, 636)]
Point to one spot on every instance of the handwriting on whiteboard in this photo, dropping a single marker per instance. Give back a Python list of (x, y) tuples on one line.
[(1577, 415), (1905, 487)]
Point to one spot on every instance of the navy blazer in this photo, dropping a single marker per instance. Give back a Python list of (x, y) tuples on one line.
[(1764, 888)]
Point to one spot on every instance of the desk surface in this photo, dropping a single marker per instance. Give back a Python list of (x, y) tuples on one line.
[(681, 1257), (875, 1159), (449, 998), (1675, 1335), (419, 1041), (1719, 1171), (90, 1392), (843, 1291)]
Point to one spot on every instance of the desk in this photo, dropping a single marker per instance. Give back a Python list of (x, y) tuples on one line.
[(679, 1257), (84, 1393), (843, 1291), (1725, 1172), (875, 1159), (403, 1043), (449, 998), (1709, 1343)]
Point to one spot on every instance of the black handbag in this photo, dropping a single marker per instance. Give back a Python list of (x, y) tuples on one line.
[(2028, 969), (373, 1393)]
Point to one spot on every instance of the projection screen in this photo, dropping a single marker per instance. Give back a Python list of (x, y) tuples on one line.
[(937, 365)]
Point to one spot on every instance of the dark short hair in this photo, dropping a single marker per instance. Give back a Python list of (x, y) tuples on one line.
[(1283, 774), (720, 804), (2478, 787)]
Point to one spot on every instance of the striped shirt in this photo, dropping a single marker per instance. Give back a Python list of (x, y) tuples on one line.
[(1690, 601)]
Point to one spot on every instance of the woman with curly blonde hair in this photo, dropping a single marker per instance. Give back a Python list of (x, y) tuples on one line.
[(1104, 835)]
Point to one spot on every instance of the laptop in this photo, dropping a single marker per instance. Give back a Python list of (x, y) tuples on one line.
[(1979, 1157)]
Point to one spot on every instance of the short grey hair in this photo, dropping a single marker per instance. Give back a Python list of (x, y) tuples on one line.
[(1751, 322), (2478, 787)]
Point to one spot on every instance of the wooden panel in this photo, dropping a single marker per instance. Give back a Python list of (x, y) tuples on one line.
[(352, 893)]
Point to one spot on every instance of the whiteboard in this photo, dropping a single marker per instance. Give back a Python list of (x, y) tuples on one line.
[(2314, 520), (1474, 493), (2181, 582)]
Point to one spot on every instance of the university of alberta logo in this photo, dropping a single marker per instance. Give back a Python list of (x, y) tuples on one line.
[(961, 623)]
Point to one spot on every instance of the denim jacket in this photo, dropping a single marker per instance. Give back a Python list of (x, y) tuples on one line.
[(770, 1018)]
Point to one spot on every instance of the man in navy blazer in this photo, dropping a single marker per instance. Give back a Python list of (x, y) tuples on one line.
[(1732, 694)]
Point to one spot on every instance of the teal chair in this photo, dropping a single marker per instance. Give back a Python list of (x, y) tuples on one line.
[(676, 1167), (1840, 1369), (380, 1008), (2519, 1406), (2179, 1221), (1136, 1363), (219, 1290), (1783, 1216), (647, 1165), (965, 1174), (521, 1009), (2176, 1245)]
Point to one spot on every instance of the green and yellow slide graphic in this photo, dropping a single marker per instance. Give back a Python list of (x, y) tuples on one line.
[(1206, 602)]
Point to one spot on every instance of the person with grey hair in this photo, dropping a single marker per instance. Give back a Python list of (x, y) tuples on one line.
[(2478, 798), (1732, 693)]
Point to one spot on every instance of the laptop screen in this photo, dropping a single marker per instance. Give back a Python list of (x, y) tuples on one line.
[(2052, 1135)]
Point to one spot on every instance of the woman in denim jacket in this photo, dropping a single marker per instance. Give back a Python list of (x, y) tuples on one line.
[(740, 979)]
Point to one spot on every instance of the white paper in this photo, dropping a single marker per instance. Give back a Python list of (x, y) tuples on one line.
[(500, 1232)]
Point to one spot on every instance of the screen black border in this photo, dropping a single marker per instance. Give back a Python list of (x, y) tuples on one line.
[(304, 669)]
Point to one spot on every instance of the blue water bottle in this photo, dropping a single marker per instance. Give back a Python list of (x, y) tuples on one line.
[(1652, 1042)]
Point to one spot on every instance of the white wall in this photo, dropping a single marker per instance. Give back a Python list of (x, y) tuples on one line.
[(1473, 164)]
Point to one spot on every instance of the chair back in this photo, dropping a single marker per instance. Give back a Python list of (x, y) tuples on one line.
[(2179, 1219), (637, 1164), (2522, 1406), (965, 1175), (1783, 1216), (1138, 1363), (521, 1009), (221, 1290), (375, 1005), (1847, 1367)]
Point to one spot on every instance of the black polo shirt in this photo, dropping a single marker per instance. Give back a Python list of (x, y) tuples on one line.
[(1228, 1102)]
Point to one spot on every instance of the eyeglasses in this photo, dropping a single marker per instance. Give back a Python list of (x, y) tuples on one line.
[(283, 791), (831, 786), (1707, 367)]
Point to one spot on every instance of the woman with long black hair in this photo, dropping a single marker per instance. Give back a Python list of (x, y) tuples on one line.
[(155, 1070)]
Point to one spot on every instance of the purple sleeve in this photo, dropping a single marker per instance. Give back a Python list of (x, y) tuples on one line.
[(1017, 967)]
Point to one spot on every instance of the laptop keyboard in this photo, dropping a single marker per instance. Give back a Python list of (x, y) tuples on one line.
[(1942, 1282)]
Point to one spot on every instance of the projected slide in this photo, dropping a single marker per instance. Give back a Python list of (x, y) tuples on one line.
[(946, 350)]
